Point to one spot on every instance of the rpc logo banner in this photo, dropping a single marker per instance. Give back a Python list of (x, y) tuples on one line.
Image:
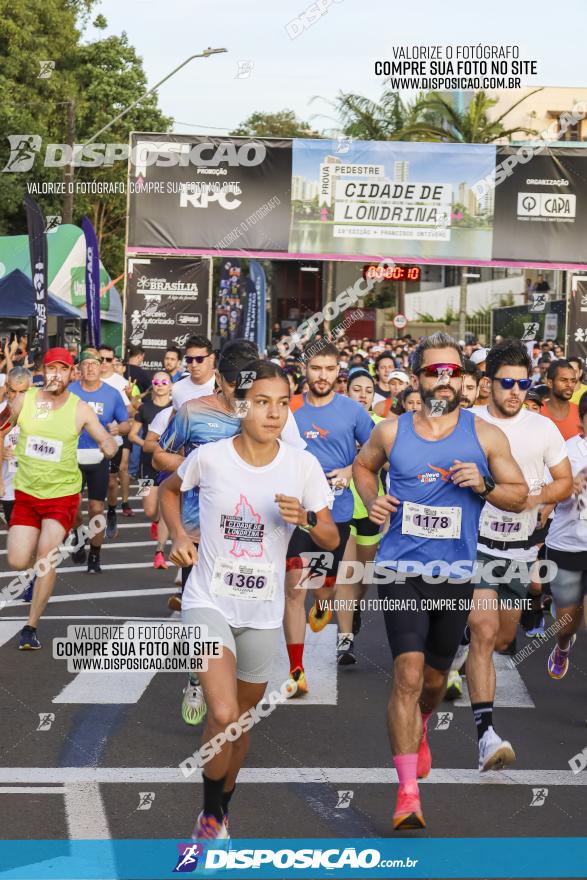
[(210, 191)]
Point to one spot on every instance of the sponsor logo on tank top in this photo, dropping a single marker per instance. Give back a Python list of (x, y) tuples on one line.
[(245, 528), (429, 477)]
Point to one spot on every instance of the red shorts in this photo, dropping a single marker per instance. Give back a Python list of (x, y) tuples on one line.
[(31, 511)]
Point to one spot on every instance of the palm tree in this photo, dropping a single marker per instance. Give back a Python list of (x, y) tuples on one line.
[(437, 119), (364, 119)]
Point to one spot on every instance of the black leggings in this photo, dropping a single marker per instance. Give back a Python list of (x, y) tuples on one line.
[(412, 626)]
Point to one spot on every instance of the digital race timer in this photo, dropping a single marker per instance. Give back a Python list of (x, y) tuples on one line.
[(392, 273)]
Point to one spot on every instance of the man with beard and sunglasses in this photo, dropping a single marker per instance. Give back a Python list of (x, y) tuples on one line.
[(506, 538), (47, 482), (443, 463)]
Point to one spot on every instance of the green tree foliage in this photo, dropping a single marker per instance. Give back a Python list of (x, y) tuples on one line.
[(101, 78), (283, 124), (437, 119)]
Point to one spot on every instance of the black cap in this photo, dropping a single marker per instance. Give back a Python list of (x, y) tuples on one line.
[(535, 396), (235, 356)]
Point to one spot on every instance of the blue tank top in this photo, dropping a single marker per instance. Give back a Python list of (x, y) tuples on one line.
[(418, 476)]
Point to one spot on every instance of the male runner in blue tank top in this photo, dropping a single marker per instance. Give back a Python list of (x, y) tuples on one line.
[(443, 463)]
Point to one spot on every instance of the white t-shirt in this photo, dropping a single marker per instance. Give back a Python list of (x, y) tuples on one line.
[(291, 433), (536, 443), (9, 465), (185, 390), (119, 382), (237, 498), (569, 523), (161, 420)]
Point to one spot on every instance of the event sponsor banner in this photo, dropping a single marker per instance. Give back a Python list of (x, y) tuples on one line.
[(208, 193), (468, 204), (166, 302), (577, 319), (92, 283), (228, 310), (38, 254), (259, 282), (541, 206), (405, 199)]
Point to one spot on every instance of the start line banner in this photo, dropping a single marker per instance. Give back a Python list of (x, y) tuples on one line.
[(469, 204)]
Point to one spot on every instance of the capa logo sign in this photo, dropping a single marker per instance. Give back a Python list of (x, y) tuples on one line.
[(553, 206)]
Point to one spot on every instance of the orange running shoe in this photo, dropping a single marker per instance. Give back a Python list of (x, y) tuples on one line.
[(298, 676), (408, 812), (318, 618), (424, 758)]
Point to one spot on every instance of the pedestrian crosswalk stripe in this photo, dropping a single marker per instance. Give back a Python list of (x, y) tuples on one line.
[(510, 690)]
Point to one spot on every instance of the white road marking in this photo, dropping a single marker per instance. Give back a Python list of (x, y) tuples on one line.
[(510, 690), (284, 775), (319, 664), (31, 789), (106, 687), (73, 568), (99, 617), (9, 628), (122, 545), (136, 525), (84, 811)]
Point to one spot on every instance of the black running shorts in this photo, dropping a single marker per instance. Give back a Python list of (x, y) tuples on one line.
[(427, 618), (95, 477), (302, 549)]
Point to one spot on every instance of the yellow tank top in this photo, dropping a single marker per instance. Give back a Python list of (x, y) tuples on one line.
[(47, 448)]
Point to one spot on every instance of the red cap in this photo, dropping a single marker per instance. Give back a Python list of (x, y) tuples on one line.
[(58, 355)]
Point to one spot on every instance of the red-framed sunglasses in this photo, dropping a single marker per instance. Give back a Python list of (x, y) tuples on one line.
[(433, 371)]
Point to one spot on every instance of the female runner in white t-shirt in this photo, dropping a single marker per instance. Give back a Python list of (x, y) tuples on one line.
[(254, 489)]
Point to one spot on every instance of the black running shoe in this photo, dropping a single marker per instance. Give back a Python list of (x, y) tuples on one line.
[(344, 651), (94, 564), (111, 524), (79, 555)]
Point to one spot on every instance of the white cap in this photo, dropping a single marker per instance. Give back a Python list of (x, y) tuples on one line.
[(399, 374), (479, 356)]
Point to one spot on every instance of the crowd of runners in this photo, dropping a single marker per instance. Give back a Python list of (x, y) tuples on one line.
[(447, 480)]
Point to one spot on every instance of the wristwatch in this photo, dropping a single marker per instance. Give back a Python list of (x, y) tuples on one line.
[(312, 521), (489, 487)]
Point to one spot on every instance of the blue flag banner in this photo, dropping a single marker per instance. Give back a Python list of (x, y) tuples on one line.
[(92, 283), (258, 280)]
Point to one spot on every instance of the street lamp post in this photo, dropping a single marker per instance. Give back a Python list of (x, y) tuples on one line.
[(205, 54)]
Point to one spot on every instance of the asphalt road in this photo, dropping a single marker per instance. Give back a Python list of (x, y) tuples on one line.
[(106, 764)]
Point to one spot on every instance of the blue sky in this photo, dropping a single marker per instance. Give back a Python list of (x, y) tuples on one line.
[(337, 52)]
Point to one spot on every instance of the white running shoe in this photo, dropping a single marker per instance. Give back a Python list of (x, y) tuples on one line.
[(494, 752), (460, 658), (193, 705)]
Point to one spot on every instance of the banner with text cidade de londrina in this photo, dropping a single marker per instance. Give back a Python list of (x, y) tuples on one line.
[(467, 204), (167, 300)]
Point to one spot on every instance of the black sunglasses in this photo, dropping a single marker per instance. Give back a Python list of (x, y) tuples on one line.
[(198, 358)]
